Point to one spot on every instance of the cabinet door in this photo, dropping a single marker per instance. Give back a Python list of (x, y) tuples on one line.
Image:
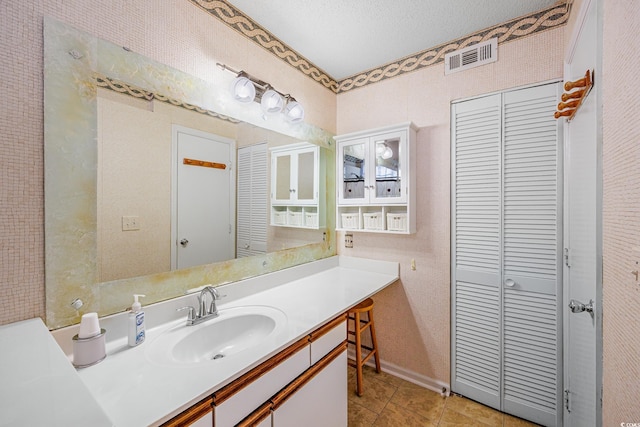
[(389, 168), (353, 187), (282, 189), (321, 402), (305, 173)]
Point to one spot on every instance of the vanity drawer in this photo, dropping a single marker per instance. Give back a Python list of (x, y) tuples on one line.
[(328, 337), (238, 399)]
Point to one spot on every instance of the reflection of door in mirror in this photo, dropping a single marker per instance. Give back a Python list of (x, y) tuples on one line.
[(283, 177), (252, 200), (388, 182), (204, 198), (353, 157), (134, 182)]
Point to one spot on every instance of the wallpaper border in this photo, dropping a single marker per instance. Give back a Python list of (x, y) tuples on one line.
[(523, 26)]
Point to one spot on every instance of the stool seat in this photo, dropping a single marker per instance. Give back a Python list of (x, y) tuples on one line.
[(359, 326), (364, 306)]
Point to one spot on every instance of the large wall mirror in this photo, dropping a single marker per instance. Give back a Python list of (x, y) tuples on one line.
[(138, 156)]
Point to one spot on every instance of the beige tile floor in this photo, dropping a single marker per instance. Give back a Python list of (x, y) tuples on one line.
[(389, 401)]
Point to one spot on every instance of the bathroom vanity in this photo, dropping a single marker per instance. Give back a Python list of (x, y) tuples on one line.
[(284, 371)]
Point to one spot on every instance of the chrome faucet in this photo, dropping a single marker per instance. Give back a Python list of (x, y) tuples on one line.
[(204, 312), (212, 311)]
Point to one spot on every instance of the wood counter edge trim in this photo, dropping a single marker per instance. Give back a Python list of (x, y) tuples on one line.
[(327, 327), (192, 414), (307, 376), (256, 416), (239, 383)]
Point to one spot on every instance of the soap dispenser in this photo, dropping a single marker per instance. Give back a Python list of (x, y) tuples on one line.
[(136, 322)]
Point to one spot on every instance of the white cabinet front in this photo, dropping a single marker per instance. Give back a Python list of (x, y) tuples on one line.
[(321, 402), (294, 176), (372, 169)]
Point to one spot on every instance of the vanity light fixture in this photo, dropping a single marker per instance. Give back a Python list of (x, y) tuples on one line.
[(247, 89)]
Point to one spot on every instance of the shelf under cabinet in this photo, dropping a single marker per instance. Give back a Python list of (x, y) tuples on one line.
[(296, 217), (375, 219)]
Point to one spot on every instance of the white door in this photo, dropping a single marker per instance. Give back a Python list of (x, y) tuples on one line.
[(203, 219), (506, 252), (532, 255), (583, 236)]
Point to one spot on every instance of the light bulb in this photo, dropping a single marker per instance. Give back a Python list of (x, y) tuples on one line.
[(272, 102), (387, 153), (243, 90), (294, 112), (380, 149)]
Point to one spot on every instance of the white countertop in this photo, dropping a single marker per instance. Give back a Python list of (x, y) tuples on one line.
[(133, 390), (38, 385)]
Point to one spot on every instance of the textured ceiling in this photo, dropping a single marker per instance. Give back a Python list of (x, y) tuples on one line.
[(347, 37)]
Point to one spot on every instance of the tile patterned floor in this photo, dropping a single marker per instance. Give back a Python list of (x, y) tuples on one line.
[(389, 401)]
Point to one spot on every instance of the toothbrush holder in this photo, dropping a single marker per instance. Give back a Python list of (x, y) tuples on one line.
[(89, 351)]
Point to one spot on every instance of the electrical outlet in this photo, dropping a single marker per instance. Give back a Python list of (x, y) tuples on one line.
[(130, 223), (348, 240)]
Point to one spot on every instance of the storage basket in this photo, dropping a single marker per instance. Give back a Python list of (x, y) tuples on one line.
[(279, 217), (311, 219), (295, 219), (397, 221), (373, 221), (350, 221)]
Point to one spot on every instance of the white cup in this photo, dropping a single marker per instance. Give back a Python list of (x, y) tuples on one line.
[(89, 326)]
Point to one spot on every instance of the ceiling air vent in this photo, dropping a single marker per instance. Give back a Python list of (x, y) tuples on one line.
[(470, 57)]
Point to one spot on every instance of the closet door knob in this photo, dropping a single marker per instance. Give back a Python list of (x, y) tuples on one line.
[(510, 283)]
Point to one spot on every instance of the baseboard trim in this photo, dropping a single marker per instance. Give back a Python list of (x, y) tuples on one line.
[(413, 377)]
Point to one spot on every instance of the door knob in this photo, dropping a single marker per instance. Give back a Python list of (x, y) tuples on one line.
[(184, 243), (578, 307), (510, 283)]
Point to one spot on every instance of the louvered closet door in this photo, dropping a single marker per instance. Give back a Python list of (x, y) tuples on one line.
[(476, 328), (506, 252), (532, 255), (252, 201)]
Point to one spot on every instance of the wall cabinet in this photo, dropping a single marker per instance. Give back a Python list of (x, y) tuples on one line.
[(376, 180), (294, 387), (297, 190)]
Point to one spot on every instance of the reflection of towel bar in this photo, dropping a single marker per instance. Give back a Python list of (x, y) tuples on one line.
[(204, 164)]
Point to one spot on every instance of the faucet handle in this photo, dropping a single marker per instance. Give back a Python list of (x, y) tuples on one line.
[(191, 316)]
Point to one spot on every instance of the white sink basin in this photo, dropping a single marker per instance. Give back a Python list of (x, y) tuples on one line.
[(233, 331)]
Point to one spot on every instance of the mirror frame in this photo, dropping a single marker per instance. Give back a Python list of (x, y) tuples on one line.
[(73, 62)]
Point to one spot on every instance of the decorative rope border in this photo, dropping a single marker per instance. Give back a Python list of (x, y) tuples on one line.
[(543, 20), (136, 92), (512, 30), (246, 26)]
